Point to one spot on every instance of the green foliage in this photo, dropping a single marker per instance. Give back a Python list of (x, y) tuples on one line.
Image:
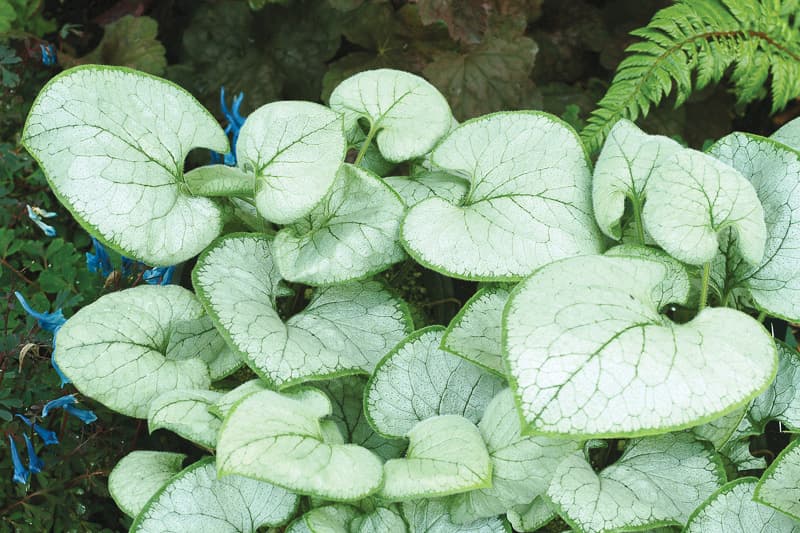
[(20, 17), (694, 43), (303, 49), (465, 209), (570, 383), (8, 78), (130, 42)]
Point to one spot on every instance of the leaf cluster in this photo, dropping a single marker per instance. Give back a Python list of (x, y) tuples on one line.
[(692, 44), (617, 310)]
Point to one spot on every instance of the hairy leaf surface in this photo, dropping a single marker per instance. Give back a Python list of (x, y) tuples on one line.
[(406, 114), (351, 234), (279, 438), (657, 481), (418, 380), (522, 467), (129, 347), (595, 357), (429, 184), (691, 198), (774, 171), (431, 516), (294, 150), (732, 510), (430, 468), (186, 412), (195, 500), (528, 203), (139, 475), (628, 159), (474, 333), (345, 329), (778, 486), (112, 143)]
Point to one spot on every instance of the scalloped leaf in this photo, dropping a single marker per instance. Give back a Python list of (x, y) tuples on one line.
[(628, 159), (406, 114), (528, 205), (781, 401), (778, 486), (327, 519), (788, 134), (294, 150), (223, 405), (380, 520), (129, 347), (429, 184), (112, 143), (417, 380), (474, 333), (347, 398), (186, 412), (522, 467), (345, 329), (657, 482), (431, 516), (732, 509), (351, 234), (139, 475), (691, 198), (774, 171), (590, 354), (533, 516), (280, 439), (431, 469), (195, 500)]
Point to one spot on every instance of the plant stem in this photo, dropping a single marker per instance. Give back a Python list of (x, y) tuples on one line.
[(637, 219), (761, 316), (372, 131), (704, 286)]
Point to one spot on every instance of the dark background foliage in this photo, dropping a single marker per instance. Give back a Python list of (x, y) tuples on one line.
[(484, 55)]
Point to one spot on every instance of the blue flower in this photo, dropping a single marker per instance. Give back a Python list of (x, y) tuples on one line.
[(159, 275), (234, 126), (67, 403), (99, 261), (36, 214), (48, 437), (58, 403), (51, 322), (86, 416), (21, 474), (35, 464), (49, 56)]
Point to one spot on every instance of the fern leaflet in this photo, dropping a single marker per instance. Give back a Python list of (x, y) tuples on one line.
[(693, 43)]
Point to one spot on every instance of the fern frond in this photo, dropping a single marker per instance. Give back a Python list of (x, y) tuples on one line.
[(694, 43)]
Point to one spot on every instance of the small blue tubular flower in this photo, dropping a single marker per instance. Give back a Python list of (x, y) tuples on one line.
[(35, 464), (47, 436), (61, 376), (21, 474), (49, 55), (85, 416), (234, 126), (99, 261), (68, 404), (159, 275), (51, 322), (36, 214), (59, 403)]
